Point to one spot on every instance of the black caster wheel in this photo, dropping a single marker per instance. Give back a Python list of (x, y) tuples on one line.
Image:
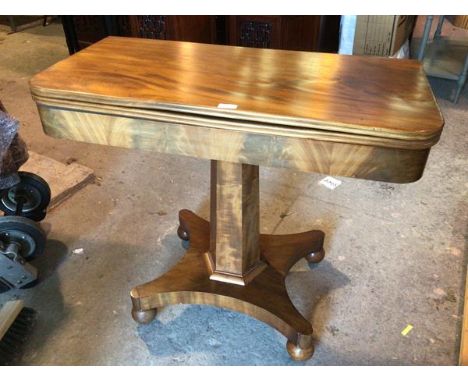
[(29, 198), (25, 233)]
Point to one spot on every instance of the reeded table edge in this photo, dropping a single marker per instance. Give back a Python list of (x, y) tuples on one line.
[(52, 95), (306, 129)]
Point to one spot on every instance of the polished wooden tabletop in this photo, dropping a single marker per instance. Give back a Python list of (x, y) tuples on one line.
[(352, 94)]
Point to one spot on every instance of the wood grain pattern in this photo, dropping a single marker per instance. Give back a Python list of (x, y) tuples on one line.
[(357, 95), (300, 153), (318, 132), (8, 314), (64, 179), (235, 217), (264, 298), (363, 117)]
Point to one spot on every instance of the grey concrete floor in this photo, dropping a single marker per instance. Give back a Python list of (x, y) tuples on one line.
[(395, 253)]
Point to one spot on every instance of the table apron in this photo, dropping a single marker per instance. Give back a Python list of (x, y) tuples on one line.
[(296, 153)]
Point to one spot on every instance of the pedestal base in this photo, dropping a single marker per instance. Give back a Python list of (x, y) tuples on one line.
[(264, 297)]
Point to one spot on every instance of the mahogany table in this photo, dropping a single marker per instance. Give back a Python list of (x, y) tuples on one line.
[(364, 117)]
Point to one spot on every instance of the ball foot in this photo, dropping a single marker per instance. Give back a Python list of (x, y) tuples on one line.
[(144, 316), (183, 234), (315, 257), (302, 350)]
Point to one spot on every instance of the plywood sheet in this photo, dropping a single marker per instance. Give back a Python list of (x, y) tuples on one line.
[(64, 179)]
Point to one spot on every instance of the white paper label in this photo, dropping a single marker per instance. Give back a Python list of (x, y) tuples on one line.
[(330, 182), (227, 106)]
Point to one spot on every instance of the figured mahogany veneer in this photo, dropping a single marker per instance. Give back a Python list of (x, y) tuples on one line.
[(354, 94), (364, 117), (264, 297)]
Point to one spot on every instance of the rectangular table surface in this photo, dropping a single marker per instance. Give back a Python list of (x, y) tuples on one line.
[(368, 96)]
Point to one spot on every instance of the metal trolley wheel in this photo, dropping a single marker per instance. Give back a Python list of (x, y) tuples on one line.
[(29, 198), (28, 236)]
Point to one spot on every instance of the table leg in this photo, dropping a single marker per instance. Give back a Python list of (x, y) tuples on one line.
[(231, 265)]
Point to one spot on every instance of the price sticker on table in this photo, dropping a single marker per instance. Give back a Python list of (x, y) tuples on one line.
[(229, 106), (330, 182)]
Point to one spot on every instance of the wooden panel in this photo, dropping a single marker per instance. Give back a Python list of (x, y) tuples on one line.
[(318, 130), (235, 222), (299, 153), (124, 26), (300, 32), (275, 32), (148, 26), (8, 314), (329, 39), (181, 28), (309, 33), (64, 179), (192, 28), (89, 29), (255, 31), (358, 95)]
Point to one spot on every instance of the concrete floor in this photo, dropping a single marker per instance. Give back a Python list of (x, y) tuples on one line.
[(395, 253)]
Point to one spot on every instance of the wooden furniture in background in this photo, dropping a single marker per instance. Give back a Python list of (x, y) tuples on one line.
[(181, 28), (310, 33), (298, 110), (280, 32), (82, 31)]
